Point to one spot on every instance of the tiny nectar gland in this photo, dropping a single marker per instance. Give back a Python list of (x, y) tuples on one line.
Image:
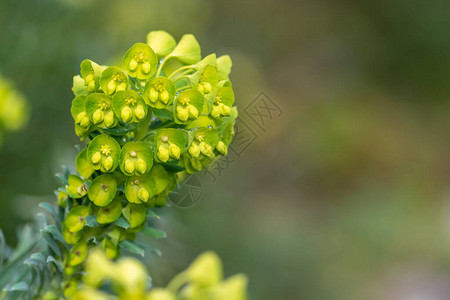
[(103, 106), (164, 139), (200, 137), (130, 101), (133, 154), (106, 149), (185, 101)]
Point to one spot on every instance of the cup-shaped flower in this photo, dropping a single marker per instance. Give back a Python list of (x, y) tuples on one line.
[(206, 270), (75, 218), (161, 177), (139, 189), (103, 152), (161, 42), (205, 80), (129, 106), (135, 214), (76, 187), (159, 92), (103, 190), (83, 165), (78, 253), (71, 238), (203, 142), (187, 50), (187, 106), (222, 100), (113, 79), (99, 110), (91, 72), (136, 158), (224, 67), (170, 143), (140, 61), (80, 116), (109, 213)]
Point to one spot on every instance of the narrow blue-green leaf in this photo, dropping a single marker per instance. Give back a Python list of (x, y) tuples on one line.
[(153, 232), (51, 259), (152, 214), (63, 179), (132, 247), (50, 208), (91, 221), (121, 222), (54, 231), (20, 286)]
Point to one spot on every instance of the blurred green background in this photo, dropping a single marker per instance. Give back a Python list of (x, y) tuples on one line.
[(345, 196)]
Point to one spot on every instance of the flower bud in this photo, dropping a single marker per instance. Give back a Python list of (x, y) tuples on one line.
[(139, 112), (193, 111), (96, 157), (143, 195), (111, 87), (97, 117), (141, 166), (146, 67), (126, 114), (133, 65), (109, 119), (163, 154), (206, 149), (182, 113), (194, 150), (108, 163), (153, 95), (215, 111), (224, 110), (129, 166), (174, 151), (222, 148), (165, 96)]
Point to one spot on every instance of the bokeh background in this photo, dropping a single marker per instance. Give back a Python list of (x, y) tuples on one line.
[(346, 195)]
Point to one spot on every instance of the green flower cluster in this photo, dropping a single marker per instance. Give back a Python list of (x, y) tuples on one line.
[(13, 108), (163, 113), (203, 279)]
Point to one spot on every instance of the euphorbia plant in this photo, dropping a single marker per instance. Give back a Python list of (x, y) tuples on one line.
[(163, 113)]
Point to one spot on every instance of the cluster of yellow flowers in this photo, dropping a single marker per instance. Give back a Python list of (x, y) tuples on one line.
[(127, 279)]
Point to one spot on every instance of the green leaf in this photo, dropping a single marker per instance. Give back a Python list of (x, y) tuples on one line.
[(51, 243), (51, 259), (188, 50), (129, 106), (122, 223), (136, 158), (83, 165), (152, 214), (161, 42), (54, 231), (132, 247), (20, 286), (224, 67), (50, 208), (163, 113), (153, 232), (91, 221)]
